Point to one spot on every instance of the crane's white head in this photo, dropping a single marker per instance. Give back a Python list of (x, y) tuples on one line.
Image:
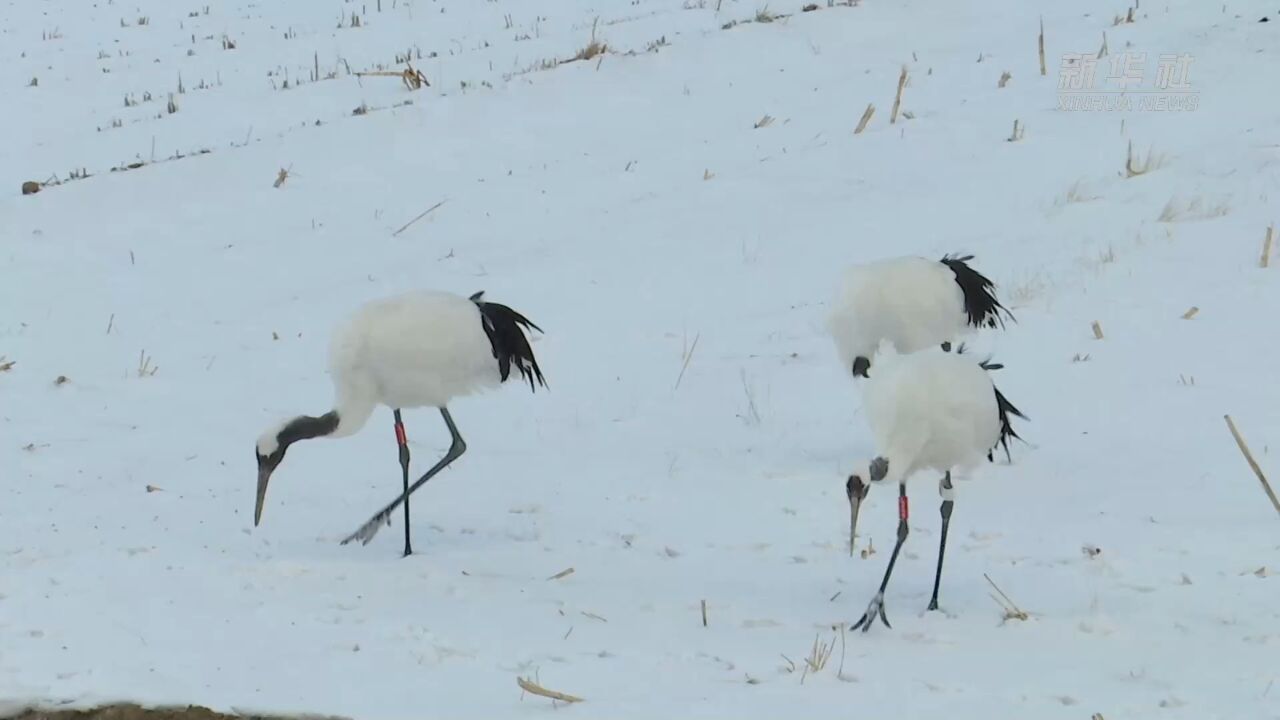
[(270, 452), (858, 486)]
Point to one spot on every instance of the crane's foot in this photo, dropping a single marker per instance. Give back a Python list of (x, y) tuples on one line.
[(933, 604), (369, 529), (876, 607)]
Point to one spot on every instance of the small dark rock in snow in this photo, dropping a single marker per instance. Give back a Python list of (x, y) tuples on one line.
[(30, 187)]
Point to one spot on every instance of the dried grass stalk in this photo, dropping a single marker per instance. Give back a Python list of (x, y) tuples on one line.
[(1248, 456), (533, 688), (414, 79), (421, 215), (1097, 330), (1043, 70), (685, 366), (1266, 246), (897, 100), (866, 118), (1011, 609), (1190, 313), (562, 574)]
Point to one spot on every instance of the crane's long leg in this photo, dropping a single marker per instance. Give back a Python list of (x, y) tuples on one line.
[(370, 528), (877, 603), (403, 441), (948, 502)]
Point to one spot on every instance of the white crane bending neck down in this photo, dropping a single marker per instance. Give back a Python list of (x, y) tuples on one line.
[(912, 302), (930, 410), (417, 349)]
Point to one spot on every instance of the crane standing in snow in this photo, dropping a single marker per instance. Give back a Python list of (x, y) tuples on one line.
[(911, 301), (928, 410), (418, 349)]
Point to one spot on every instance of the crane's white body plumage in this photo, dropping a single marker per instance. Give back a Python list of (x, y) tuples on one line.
[(931, 410), (417, 349), (913, 302)]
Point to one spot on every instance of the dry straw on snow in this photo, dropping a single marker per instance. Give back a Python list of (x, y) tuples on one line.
[(1248, 456), (533, 688), (897, 100), (1043, 71), (866, 118)]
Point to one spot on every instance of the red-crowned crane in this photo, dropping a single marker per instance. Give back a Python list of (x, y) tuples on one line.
[(417, 349), (929, 410), (911, 301)]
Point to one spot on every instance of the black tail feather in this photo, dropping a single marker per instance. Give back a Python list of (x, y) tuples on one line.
[(1005, 408), (503, 327), (980, 302)]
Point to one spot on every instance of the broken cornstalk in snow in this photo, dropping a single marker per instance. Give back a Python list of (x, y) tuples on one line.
[(897, 100), (1043, 71), (412, 79), (533, 688), (1248, 456), (866, 118)]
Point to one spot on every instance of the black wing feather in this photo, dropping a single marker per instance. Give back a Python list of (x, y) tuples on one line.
[(980, 302), (503, 326)]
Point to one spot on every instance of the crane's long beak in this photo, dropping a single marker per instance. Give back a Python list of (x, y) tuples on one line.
[(856, 490), (855, 503), (264, 476)]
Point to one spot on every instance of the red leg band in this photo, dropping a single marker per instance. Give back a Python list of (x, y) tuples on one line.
[(902, 507), (400, 437)]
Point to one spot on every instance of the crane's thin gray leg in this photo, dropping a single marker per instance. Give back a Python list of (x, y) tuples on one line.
[(403, 441), (948, 502), (876, 607), (370, 528)]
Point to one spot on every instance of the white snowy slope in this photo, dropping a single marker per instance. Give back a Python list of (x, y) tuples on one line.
[(631, 207)]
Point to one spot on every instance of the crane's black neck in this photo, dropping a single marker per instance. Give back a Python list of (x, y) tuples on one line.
[(305, 427)]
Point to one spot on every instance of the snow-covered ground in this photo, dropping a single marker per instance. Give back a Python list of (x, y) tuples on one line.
[(640, 208)]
